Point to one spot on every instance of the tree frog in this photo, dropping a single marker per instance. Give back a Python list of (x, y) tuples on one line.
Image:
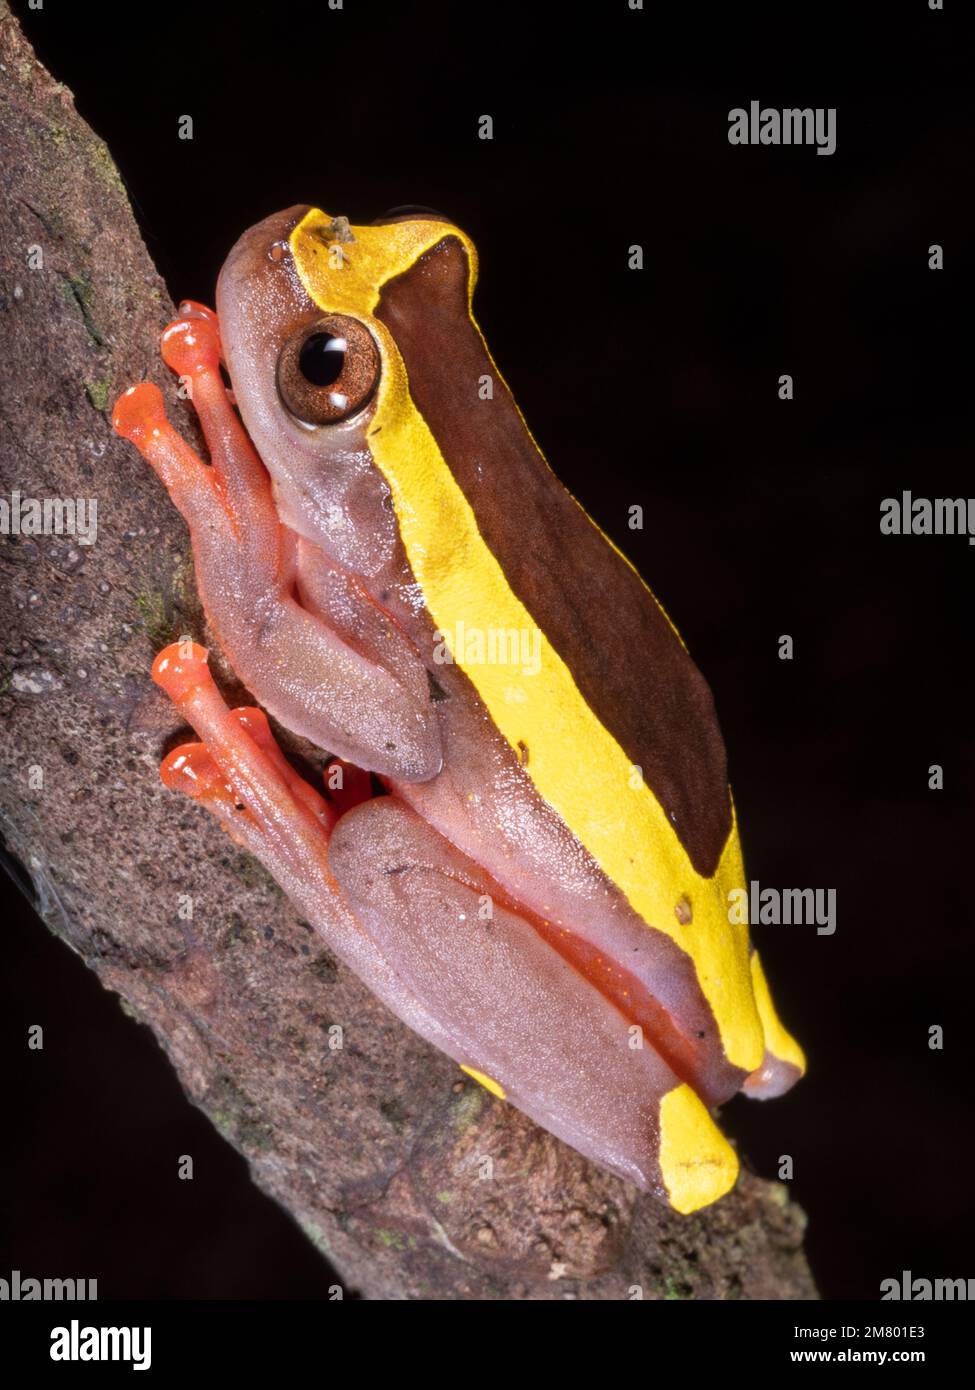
[(531, 855)]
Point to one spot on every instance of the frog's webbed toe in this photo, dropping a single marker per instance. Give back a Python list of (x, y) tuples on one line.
[(353, 702)]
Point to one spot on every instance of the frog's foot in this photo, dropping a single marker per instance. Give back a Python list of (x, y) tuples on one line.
[(316, 683), (238, 772), (430, 934)]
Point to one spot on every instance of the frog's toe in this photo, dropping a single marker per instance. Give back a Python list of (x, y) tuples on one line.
[(140, 416)]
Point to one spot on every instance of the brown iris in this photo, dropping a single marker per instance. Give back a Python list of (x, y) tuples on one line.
[(328, 370)]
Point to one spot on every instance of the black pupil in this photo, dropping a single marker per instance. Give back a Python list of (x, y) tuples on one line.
[(321, 359)]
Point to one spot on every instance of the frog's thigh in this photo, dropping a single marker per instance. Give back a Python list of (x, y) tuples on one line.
[(515, 1012)]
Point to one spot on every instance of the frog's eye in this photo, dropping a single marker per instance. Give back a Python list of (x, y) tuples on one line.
[(328, 370)]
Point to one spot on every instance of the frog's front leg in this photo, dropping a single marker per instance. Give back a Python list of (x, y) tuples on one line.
[(372, 709), (432, 935)]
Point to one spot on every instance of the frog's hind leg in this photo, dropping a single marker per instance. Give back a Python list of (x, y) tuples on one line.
[(316, 683), (422, 926), (515, 1012), (238, 773), (240, 776)]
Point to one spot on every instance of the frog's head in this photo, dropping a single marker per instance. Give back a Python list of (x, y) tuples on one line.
[(309, 324)]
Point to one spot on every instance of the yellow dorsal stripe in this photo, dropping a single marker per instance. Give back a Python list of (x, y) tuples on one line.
[(573, 760)]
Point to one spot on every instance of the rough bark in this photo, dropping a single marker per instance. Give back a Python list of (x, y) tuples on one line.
[(377, 1149)]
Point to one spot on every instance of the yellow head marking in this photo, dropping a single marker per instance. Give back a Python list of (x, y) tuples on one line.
[(575, 763), (348, 277)]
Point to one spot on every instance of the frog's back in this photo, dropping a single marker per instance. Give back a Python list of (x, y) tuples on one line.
[(628, 666)]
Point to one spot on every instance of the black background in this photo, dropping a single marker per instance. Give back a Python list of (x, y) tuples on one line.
[(659, 388)]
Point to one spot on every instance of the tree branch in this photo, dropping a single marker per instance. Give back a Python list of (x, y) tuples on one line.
[(377, 1149)]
